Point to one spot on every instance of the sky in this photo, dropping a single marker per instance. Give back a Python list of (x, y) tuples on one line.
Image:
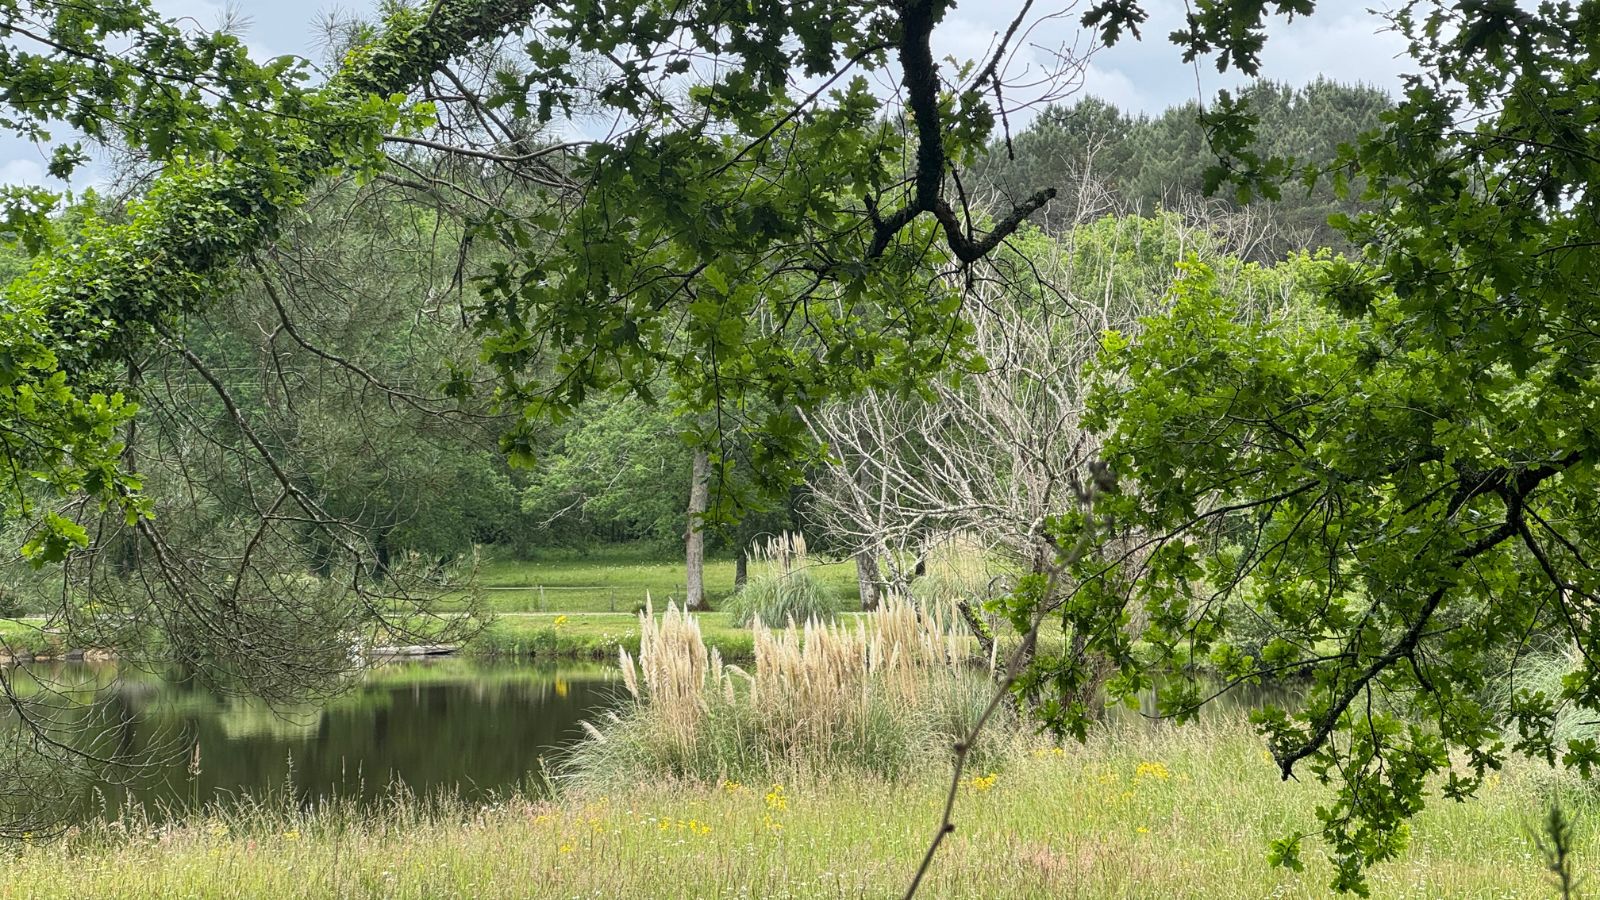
[(1342, 41)]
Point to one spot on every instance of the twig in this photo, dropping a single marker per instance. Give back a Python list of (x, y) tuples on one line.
[(1014, 666)]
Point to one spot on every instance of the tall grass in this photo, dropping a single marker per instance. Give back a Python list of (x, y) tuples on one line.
[(784, 588), (887, 696), (1135, 812), (960, 575)]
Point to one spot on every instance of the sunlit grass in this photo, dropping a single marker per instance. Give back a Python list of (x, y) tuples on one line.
[(617, 579), (1135, 813), (590, 635)]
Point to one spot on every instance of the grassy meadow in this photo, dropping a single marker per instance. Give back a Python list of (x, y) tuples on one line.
[(1136, 812)]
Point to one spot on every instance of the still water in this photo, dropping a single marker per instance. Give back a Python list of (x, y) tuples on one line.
[(451, 725)]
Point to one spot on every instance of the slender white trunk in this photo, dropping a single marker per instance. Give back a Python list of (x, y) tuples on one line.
[(694, 538)]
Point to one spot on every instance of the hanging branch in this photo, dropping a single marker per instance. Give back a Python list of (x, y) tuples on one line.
[(1103, 482)]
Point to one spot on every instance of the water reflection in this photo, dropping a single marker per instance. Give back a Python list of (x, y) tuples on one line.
[(448, 725), (432, 726)]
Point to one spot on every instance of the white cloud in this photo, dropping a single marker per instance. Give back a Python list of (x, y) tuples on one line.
[(1345, 46), (1113, 86), (22, 172), (1341, 42), (208, 15), (964, 38)]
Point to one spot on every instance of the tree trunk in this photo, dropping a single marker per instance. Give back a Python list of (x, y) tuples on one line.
[(382, 555), (741, 568), (694, 537), (127, 558), (868, 579)]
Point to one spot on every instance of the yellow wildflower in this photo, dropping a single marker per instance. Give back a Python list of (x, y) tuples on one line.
[(560, 621), (775, 798), (292, 834), (693, 826), (1152, 770), (566, 848), (981, 783)]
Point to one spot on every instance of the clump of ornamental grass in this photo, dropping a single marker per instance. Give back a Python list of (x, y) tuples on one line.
[(887, 696), (959, 570), (783, 589), (1545, 672)]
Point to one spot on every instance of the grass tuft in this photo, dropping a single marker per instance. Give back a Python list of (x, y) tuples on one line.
[(786, 588)]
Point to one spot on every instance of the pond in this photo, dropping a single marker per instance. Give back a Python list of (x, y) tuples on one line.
[(449, 725)]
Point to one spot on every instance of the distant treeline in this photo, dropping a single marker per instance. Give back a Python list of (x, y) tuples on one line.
[(1103, 159)]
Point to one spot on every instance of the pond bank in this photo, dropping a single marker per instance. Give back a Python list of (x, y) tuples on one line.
[(536, 636), (590, 636)]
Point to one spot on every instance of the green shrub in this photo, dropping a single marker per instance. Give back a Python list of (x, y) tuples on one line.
[(778, 598)]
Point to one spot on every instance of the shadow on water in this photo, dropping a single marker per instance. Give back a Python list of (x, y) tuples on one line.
[(453, 726)]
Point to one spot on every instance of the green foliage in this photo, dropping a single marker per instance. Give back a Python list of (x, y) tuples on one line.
[(1556, 842), (696, 256), (1404, 475), (96, 300), (118, 68), (619, 470)]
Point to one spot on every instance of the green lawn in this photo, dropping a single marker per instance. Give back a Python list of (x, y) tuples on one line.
[(585, 605), (616, 579), (592, 635), (29, 635), (562, 605)]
